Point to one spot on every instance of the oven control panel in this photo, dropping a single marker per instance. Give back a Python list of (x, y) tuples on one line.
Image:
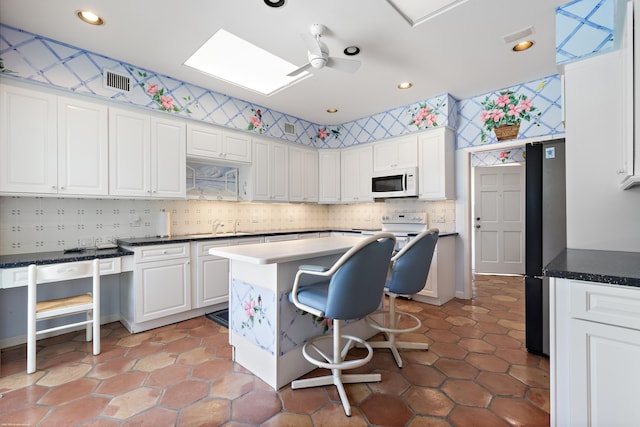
[(405, 218)]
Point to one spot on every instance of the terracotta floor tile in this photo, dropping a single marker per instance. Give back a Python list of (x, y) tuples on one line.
[(429, 401), (195, 357), (442, 335), (286, 419), (184, 394), (146, 348), (232, 386), (168, 376), (541, 398), (386, 410), (64, 374), (74, 413), (170, 335), (111, 368), (330, 413), (393, 383), (68, 392), (487, 362), (154, 362), (422, 375), (182, 345), (467, 393), (132, 402), (465, 416), (519, 412), (209, 412), (532, 376), (453, 368), (452, 351), (122, 383), (30, 416), (425, 421), (305, 400), (501, 384), (255, 407), (213, 369), (473, 345), (156, 417), (22, 398)]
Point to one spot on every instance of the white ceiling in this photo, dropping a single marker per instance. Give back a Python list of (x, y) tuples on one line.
[(461, 52)]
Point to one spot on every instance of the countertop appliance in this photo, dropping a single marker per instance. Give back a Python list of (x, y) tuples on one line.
[(395, 183), (545, 234)]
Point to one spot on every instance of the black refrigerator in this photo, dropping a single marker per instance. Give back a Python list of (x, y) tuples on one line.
[(545, 234)]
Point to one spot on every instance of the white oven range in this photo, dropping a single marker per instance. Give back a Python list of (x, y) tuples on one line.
[(403, 225)]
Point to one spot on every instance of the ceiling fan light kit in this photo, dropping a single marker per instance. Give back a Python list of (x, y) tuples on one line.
[(318, 54)]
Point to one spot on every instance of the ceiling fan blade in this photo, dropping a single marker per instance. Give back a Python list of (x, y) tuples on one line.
[(313, 45), (342, 64), (299, 70)]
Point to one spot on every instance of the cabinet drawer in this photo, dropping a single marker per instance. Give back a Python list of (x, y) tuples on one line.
[(161, 252), (608, 304), (15, 277), (203, 248)]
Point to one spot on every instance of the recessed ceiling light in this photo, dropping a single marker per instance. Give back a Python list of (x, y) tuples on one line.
[(237, 61), (404, 85), (89, 17), (524, 45), (351, 50), (332, 110), (274, 3)]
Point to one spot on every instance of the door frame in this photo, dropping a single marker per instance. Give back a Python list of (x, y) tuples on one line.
[(464, 207)]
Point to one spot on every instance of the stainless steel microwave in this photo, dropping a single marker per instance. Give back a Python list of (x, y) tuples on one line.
[(395, 183)]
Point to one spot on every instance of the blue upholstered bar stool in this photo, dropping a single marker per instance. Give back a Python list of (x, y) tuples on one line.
[(350, 289), (409, 272)]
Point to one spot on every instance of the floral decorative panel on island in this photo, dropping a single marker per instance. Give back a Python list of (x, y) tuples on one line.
[(252, 314)]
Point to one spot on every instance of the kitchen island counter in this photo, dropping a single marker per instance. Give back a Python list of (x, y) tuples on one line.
[(265, 329)]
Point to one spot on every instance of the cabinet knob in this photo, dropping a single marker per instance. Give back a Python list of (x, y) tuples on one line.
[(478, 226), (62, 188), (53, 187)]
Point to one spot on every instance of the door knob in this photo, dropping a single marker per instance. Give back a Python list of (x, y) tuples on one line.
[(478, 226), (478, 219)]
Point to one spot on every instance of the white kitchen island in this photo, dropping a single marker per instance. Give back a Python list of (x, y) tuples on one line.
[(267, 331)]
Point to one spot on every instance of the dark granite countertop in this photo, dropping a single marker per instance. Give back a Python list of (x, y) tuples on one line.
[(56, 257), (613, 267), (157, 240)]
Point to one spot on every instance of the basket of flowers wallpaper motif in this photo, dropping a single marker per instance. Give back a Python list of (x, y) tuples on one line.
[(504, 114)]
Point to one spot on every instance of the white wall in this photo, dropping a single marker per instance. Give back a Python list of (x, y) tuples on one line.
[(599, 214)]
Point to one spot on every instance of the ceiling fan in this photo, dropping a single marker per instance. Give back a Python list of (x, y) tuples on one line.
[(318, 54)]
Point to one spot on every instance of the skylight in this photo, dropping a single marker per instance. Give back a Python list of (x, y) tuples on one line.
[(416, 12), (234, 60)]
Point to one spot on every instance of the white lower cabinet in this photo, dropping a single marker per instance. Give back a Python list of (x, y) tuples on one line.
[(441, 284), (159, 287), (595, 348), (211, 274)]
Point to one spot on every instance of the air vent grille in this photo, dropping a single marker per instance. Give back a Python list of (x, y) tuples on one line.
[(290, 129), (518, 35), (116, 81)]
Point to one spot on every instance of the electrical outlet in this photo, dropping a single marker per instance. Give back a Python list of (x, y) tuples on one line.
[(85, 242)]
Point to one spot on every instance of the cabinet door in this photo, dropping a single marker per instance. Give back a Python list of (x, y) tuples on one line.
[(28, 134), (261, 167), (83, 163), (349, 178), (204, 141), (365, 172), (329, 176), (431, 287), (237, 147), (169, 159), (436, 165), (279, 172), (129, 153), (604, 373), (396, 153), (303, 175), (162, 288), (212, 276)]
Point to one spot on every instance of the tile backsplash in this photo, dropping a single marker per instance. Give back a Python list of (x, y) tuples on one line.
[(41, 224)]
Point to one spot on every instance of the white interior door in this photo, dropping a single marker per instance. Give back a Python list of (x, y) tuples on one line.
[(499, 219)]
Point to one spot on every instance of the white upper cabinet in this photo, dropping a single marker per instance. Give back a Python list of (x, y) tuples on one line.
[(270, 171), (147, 157), (83, 148), (210, 142), (28, 126), (51, 144), (395, 153), (436, 164), (356, 169), (303, 174), (329, 176)]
